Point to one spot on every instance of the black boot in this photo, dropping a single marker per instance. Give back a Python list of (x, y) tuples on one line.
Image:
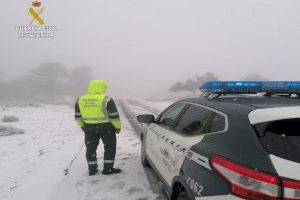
[(93, 169), (111, 171)]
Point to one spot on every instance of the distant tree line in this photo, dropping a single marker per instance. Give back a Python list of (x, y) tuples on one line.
[(48, 82), (192, 85)]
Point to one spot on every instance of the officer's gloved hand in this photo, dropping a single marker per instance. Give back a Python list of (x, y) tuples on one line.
[(118, 131)]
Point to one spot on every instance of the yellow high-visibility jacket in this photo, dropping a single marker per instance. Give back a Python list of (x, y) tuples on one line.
[(96, 108)]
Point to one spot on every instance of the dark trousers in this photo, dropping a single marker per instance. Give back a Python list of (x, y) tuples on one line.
[(95, 132)]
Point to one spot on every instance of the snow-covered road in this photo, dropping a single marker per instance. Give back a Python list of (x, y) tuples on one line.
[(33, 165)]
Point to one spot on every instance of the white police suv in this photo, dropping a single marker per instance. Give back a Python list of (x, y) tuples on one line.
[(228, 144)]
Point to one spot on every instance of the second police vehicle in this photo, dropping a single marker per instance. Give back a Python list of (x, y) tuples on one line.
[(239, 140)]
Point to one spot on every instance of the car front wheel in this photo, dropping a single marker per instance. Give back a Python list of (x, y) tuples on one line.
[(183, 196)]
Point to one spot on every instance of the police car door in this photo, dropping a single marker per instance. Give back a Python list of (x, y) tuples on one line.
[(187, 131), (159, 132)]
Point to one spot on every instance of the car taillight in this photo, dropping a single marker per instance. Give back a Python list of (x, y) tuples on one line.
[(246, 182), (291, 189)]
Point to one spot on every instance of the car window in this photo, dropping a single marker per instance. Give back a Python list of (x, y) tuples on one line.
[(195, 121), (281, 138), (169, 116), (217, 124)]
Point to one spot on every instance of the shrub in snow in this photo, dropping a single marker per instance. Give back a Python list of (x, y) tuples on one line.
[(7, 130), (10, 119)]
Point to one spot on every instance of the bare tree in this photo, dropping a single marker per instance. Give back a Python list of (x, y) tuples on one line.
[(50, 78), (254, 77), (192, 85), (208, 76), (22, 88), (78, 79), (177, 87)]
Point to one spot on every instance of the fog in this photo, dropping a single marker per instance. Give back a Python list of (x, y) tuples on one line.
[(142, 47)]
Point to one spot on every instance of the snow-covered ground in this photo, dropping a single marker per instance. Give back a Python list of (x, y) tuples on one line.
[(33, 165)]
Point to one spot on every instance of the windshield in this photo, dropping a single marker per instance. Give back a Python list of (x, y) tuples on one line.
[(281, 138)]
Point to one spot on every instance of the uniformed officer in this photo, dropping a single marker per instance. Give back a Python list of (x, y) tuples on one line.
[(98, 117)]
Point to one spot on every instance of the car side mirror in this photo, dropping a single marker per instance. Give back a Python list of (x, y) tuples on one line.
[(148, 119)]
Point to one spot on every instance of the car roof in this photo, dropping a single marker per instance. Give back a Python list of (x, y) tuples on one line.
[(244, 104)]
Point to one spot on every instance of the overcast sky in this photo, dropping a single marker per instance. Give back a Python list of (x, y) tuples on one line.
[(142, 46)]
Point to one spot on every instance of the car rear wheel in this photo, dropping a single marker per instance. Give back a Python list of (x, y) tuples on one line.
[(144, 154), (183, 196)]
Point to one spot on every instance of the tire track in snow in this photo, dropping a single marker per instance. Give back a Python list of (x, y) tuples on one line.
[(66, 171), (144, 106), (130, 117), (154, 181)]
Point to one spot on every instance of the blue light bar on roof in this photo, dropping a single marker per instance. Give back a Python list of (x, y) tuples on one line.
[(251, 87)]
